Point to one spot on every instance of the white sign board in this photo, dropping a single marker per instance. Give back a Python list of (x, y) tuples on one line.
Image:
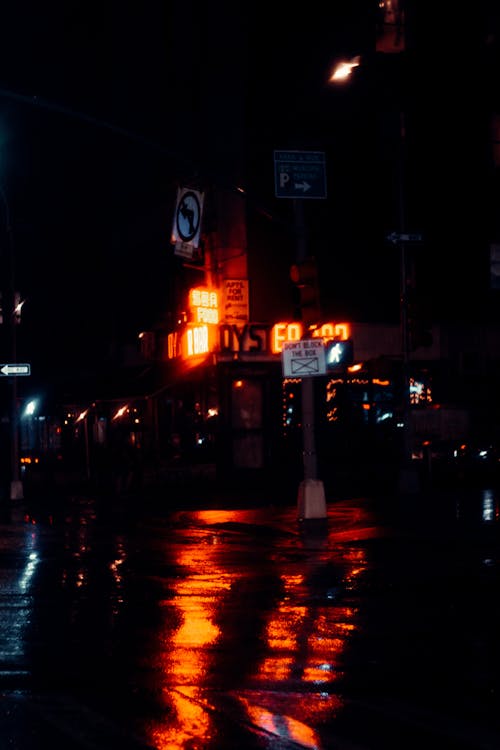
[(304, 358), (15, 369), (235, 301)]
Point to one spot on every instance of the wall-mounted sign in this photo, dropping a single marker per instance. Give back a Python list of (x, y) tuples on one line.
[(235, 301), (204, 305), (251, 339), (196, 341)]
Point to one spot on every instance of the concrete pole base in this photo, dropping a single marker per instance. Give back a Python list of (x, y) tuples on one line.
[(16, 490), (311, 501)]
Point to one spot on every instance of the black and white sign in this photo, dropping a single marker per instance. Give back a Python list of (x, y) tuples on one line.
[(304, 358), (15, 369), (396, 237), (187, 221)]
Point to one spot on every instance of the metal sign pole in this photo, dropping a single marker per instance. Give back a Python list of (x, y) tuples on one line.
[(307, 385), (311, 495), (16, 486), (408, 478), (301, 175)]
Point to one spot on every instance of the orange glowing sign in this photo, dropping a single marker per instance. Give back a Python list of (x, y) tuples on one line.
[(202, 337), (341, 331), (282, 332), (172, 344), (204, 305), (196, 340)]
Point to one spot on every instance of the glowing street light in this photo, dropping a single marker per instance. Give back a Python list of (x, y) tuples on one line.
[(342, 70), (30, 408), (408, 481)]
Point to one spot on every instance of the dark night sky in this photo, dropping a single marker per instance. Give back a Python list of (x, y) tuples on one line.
[(88, 173), (104, 108)]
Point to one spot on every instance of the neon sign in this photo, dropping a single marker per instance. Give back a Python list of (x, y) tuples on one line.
[(340, 331), (201, 337), (204, 305), (282, 332), (197, 340)]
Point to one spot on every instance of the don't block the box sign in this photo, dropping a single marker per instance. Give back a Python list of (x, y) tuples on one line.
[(303, 359)]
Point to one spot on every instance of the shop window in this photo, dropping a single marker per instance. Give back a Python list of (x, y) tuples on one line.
[(246, 421), (246, 404)]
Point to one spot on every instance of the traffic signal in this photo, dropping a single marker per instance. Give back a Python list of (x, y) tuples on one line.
[(338, 355), (305, 278), (418, 321)]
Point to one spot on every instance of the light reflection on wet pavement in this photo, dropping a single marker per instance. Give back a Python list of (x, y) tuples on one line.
[(223, 628)]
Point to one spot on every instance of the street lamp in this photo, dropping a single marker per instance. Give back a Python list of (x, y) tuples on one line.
[(83, 417), (311, 495), (343, 69), (408, 480)]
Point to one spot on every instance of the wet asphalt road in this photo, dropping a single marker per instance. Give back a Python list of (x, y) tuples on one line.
[(244, 628)]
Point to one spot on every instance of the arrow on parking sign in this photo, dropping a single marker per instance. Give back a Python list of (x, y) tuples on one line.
[(302, 186)]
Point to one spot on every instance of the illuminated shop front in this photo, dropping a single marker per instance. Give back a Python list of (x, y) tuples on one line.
[(250, 415), (236, 373)]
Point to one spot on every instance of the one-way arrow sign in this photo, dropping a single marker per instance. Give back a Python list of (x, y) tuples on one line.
[(396, 237), (15, 369)]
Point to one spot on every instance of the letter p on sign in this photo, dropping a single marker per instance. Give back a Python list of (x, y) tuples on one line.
[(284, 179)]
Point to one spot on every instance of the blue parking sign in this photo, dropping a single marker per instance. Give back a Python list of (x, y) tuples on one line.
[(299, 174)]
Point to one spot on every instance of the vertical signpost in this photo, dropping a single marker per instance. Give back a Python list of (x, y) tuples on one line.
[(408, 476), (9, 316), (12, 371), (301, 175), (187, 222)]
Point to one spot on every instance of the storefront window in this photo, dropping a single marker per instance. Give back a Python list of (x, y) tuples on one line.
[(247, 416), (246, 404)]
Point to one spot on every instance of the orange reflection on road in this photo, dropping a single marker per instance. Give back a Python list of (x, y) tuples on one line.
[(188, 722), (305, 645), (303, 631), (282, 725), (190, 634)]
